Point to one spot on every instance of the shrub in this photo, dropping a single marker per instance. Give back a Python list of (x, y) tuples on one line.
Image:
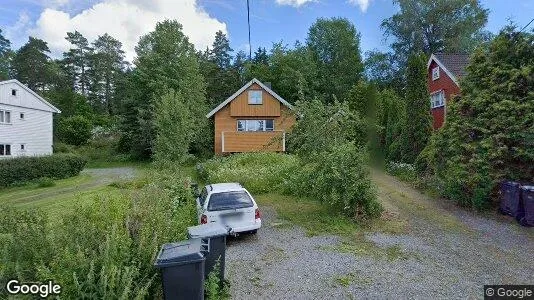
[(75, 130), (24, 169), (340, 179), (403, 171), (488, 135)]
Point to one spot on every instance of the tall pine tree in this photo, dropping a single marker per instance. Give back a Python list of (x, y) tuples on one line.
[(32, 66), (76, 61), (5, 56)]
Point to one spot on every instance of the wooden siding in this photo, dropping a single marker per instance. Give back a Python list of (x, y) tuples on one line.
[(253, 141), (445, 83), (270, 107), (224, 121), (34, 131)]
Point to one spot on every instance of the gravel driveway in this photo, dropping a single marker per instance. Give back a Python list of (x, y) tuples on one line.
[(445, 252)]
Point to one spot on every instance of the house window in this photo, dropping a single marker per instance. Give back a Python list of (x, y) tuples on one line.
[(22, 147), (437, 99), (13, 92), (5, 117), (5, 149), (435, 73), (22, 116), (255, 125), (255, 97)]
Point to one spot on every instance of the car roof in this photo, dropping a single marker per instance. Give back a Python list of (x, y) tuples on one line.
[(224, 187)]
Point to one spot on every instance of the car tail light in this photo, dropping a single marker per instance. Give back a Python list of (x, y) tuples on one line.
[(257, 214), (203, 219)]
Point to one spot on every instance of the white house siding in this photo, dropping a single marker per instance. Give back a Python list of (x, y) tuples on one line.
[(34, 131)]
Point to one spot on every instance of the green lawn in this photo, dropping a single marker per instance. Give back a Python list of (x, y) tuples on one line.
[(66, 193)]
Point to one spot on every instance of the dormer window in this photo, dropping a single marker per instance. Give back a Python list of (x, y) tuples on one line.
[(255, 97), (13, 92), (435, 73)]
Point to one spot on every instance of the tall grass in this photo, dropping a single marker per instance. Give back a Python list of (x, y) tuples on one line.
[(100, 251)]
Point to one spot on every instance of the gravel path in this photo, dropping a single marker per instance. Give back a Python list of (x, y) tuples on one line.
[(444, 253)]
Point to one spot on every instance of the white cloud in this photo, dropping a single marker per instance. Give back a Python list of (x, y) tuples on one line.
[(295, 3), (363, 4), (127, 21)]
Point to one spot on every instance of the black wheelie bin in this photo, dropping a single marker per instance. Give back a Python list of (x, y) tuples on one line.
[(182, 269), (510, 198)]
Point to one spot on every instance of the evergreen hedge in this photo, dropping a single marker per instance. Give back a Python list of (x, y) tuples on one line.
[(23, 169)]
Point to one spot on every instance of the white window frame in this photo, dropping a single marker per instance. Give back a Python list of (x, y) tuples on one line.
[(261, 128), (435, 73), (440, 102), (3, 118), (23, 147), (22, 115), (251, 97), (16, 92), (4, 150)]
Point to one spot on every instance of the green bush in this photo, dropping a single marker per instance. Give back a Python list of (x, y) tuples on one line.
[(488, 136), (105, 250), (75, 130), (403, 171), (23, 169), (340, 179)]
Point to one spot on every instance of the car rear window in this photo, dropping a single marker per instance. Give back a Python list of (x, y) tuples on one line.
[(229, 200)]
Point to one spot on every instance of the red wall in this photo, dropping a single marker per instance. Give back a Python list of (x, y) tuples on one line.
[(443, 83)]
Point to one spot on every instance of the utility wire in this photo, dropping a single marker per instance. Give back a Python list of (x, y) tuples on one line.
[(521, 28), (248, 21)]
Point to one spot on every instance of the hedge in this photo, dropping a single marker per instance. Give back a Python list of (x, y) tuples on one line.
[(23, 169)]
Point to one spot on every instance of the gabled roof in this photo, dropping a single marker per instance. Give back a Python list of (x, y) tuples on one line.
[(241, 90), (452, 63), (52, 107)]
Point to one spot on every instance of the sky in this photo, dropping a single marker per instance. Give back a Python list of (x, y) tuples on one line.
[(271, 20)]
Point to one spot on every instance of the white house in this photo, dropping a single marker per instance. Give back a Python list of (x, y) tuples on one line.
[(25, 121)]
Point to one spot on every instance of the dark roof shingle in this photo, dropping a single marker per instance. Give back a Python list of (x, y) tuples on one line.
[(454, 62)]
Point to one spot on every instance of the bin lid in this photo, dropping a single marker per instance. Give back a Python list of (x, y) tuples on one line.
[(180, 253), (207, 230)]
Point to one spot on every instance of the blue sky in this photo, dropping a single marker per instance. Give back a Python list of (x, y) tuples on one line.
[(271, 20)]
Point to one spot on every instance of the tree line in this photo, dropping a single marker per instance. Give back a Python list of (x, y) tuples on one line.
[(94, 85)]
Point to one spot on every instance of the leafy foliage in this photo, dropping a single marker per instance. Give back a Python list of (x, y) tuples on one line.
[(489, 130), (5, 56), (435, 26), (23, 169), (75, 130), (342, 61), (165, 60), (174, 127)]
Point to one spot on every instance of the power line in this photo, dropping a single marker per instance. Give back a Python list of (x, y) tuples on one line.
[(526, 25), (248, 21)]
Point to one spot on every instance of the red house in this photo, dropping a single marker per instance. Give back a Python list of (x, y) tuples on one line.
[(444, 72)]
